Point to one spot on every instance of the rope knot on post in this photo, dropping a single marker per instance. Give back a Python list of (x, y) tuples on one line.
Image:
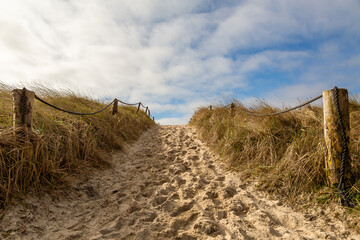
[(115, 106), (337, 137), (23, 101)]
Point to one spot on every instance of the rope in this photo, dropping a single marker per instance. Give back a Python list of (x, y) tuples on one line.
[(344, 154), (74, 113), (129, 104), (285, 111), (136, 104)]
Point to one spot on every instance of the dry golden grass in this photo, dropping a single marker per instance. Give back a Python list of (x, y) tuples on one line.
[(63, 143), (284, 153)]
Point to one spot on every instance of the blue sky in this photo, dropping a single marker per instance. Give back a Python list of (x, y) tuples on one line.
[(175, 56)]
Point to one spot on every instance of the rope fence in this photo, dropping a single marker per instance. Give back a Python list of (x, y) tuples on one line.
[(281, 112), (71, 112), (24, 102), (336, 133), (91, 113), (128, 104)]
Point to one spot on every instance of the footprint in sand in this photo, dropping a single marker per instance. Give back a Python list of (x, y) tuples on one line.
[(187, 192), (178, 181), (229, 192), (194, 157), (158, 200), (208, 226), (182, 223), (183, 208), (117, 225)]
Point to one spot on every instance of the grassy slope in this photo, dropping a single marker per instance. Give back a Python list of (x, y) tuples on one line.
[(63, 143), (284, 153)]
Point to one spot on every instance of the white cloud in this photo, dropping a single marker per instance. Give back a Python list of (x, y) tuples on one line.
[(284, 60), (174, 54)]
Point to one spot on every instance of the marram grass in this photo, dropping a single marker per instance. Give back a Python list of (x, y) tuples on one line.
[(284, 153), (62, 144)]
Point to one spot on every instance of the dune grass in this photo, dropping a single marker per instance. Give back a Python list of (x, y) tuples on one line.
[(63, 144), (284, 153)]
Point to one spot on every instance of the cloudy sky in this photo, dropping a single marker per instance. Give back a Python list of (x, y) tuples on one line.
[(176, 55)]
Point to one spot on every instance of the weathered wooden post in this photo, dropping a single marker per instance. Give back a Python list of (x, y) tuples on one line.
[(210, 107), (138, 108), (115, 106), (23, 110), (337, 135), (232, 109), (153, 119), (149, 114), (146, 110)]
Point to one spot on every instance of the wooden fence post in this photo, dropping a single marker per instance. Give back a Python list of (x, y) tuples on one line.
[(115, 107), (210, 107), (232, 109), (23, 110), (333, 134), (137, 111), (146, 110), (149, 114)]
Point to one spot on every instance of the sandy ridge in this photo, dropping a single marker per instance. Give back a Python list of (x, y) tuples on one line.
[(167, 186)]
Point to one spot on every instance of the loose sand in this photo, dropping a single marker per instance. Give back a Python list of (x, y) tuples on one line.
[(167, 185)]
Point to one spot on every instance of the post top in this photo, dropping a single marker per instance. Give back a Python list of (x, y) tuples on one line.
[(340, 90)]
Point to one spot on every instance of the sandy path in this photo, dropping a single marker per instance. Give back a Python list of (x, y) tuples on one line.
[(167, 186)]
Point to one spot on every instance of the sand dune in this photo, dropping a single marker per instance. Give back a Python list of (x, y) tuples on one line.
[(166, 186)]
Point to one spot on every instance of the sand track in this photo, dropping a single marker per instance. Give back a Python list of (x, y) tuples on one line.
[(166, 186)]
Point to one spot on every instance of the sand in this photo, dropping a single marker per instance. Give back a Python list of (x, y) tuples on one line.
[(167, 185)]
